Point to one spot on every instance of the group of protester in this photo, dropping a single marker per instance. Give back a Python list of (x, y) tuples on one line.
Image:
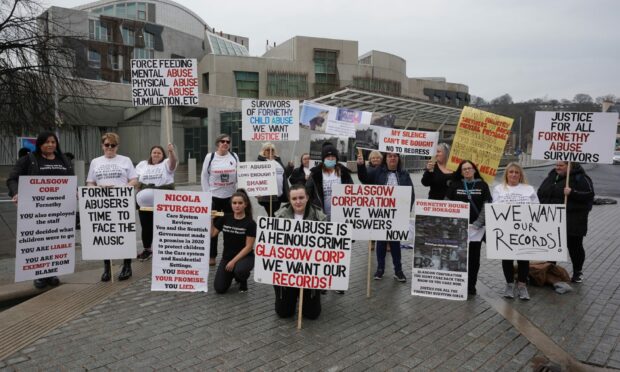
[(305, 193)]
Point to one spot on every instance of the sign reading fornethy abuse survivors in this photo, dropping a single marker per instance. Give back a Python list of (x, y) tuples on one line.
[(164, 82)]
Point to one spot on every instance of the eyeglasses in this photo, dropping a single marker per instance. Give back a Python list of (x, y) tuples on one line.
[(110, 145), (224, 141), (467, 169)]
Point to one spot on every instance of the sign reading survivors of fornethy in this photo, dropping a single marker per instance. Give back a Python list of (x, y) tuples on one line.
[(164, 82), (270, 120), (45, 227), (181, 241), (584, 137), (303, 254)]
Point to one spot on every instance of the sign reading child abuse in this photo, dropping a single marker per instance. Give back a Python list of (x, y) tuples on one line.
[(270, 120), (181, 241), (108, 221), (408, 142), (45, 227), (376, 212), (164, 82), (526, 232), (303, 254), (258, 178), (584, 137)]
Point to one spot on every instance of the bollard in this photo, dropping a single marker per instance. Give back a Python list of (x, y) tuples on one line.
[(191, 171), (80, 171)]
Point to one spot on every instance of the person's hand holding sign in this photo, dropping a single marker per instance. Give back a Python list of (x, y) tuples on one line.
[(567, 191)]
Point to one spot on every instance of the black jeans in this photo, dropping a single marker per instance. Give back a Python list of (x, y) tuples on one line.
[(523, 269), (286, 302), (241, 272), (146, 221), (473, 265), (576, 252), (218, 204)]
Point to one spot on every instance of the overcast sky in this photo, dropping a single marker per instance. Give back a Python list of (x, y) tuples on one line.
[(527, 48)]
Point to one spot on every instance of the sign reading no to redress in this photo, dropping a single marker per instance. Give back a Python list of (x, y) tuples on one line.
[(164, 82)]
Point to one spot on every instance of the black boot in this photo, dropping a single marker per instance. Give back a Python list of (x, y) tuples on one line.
[(107, 271), (126, 271)]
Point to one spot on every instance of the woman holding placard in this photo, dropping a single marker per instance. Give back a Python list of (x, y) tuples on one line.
[(272, 203), (46, 160), (437, 175), (112, 170), (300, 175), (239, 234), (375, 158), (155, 173), (515, 190), (468, 186)]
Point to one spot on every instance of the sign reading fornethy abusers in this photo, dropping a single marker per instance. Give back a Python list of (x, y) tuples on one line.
[(164, 82)]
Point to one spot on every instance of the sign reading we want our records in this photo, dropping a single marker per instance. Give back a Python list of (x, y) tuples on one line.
[(164, 82)]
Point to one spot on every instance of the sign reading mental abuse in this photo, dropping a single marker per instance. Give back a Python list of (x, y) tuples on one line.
[(258, 178), (584, 137), (45, 227), (303, 254), (164, 82), (181, 241), (526, 232), (108, 221), (270, 120)]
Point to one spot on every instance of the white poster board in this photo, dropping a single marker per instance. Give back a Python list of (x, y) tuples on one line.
[(440, 251), (584, 137), (534, 232), (343, 121), (270, 120), (164, 82), (375, 212), (45, 234), (258, 178), (181, 241), (408, 142), (108, 222), (303, 254)]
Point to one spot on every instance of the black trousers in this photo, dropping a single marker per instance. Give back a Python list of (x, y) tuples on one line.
[(241, 272), (473, 265), (275, 205), (523, 269), (576, 252), (286, 302), (218, 204), (146, 221)]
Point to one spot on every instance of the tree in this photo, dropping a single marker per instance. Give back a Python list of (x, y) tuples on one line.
[(478, 101), (505, 99), (582, 98), (606, 97)]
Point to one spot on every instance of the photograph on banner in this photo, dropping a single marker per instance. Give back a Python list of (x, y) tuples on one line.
[(584, 137), (314, 116), (534, 232), (375, 212), (29, 143), (108, 222), (318, 140), (46, 211), (258, 178), (440, 249), (346, 121), (181, 241), (270, 120), (164, 82), (367, 135), (480, 137), (303, 254), (408, 142)]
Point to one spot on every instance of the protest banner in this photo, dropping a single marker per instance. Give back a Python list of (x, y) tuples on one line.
[(375, 212), (344, 123), (45, 234), (318, 140), (584, 137), (440, 250), (164, 82), (270, 120), (408, 142), (534, 232), (303, 254), (108, 222), (181, 241), (258, 178), (480, 137), (314, 116)]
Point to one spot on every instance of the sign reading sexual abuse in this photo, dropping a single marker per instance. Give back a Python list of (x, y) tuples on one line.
[(526, 232), (376, 212), (164, 82), (45, 227), (270, 120), (303, 254), (181, 241), (258, 178), (408, 142), (585, 137), (108, 221)]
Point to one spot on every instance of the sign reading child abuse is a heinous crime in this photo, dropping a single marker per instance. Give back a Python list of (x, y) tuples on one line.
[(270, 120), (584, 137), (164, 82), (303, 254)]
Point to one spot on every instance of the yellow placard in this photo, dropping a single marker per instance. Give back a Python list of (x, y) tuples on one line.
[(480, 137)]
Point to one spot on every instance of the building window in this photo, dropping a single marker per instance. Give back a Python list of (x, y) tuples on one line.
[(287, 84), (131, 10), (94, 59), (108, 10), (149, 41), (205, 83), (120, 11), (141, 53), (99, 31), (129, 36), (247, 84), (231, 125), (383, 86), (325, 71), (115, 61), (142, 11)]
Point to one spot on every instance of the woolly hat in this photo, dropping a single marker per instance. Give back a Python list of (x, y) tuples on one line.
[(328, 149)]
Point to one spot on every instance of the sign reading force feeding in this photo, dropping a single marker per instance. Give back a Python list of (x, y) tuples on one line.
[(164, 82)]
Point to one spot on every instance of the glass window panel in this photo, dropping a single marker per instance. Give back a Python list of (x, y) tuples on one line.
[(120, 10), (108, 10), (131, 10)]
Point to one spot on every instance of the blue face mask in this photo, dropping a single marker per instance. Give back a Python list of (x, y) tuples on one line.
[(329, 163)]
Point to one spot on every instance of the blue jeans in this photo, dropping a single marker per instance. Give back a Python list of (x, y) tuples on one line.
[(381, 249)]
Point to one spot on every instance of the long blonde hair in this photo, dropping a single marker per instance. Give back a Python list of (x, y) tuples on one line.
[(266, 147), (522, 178)]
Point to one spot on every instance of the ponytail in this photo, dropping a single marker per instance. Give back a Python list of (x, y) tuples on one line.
[(246, 199)]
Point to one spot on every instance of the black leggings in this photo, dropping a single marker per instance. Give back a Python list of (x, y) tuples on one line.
[(146, 221), (241, 272), (473, 265), (523, 269), (577, 253), (218, 204), (286, 302)]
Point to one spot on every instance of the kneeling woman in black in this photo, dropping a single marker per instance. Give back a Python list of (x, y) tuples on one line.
[(239, 234)]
